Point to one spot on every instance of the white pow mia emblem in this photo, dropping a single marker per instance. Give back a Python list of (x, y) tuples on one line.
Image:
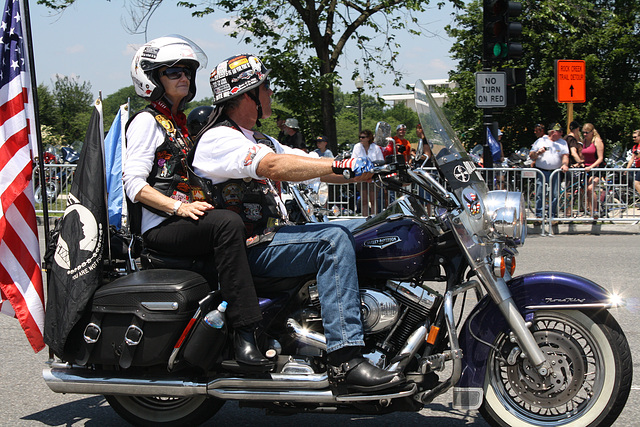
[(461, 174)]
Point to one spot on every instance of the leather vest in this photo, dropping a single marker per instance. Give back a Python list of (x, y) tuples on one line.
[(169, 173), (254, 200)]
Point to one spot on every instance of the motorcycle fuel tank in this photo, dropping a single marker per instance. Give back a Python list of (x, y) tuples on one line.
[(400, 247)]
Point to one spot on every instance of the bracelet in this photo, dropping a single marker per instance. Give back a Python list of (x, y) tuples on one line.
[(176, 206)]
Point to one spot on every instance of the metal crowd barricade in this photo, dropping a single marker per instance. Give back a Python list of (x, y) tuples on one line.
[(601, 194), (57, 183)]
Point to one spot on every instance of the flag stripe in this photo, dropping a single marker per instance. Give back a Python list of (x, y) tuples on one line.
[(15, 100), (22, 241)]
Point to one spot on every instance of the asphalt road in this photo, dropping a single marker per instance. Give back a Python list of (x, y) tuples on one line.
[(610, 259)]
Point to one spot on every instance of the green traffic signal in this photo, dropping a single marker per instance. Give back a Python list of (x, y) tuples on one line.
[(500, 50)]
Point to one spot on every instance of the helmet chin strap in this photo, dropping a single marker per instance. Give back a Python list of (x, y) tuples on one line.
[(255, 96)]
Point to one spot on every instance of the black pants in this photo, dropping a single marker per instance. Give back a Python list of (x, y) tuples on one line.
[(220, 236)]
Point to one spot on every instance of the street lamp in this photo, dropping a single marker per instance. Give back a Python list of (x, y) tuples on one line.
[(359, 85)]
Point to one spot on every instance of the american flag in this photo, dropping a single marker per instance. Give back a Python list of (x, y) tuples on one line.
[(21, 290)]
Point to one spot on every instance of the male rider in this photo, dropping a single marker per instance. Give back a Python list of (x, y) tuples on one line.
[(236, 159)]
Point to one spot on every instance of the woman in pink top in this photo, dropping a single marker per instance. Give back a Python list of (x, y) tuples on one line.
[(593, 154)]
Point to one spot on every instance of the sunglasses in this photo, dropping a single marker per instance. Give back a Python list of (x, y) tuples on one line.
[(267, 84), (174, 73), (363, 136)]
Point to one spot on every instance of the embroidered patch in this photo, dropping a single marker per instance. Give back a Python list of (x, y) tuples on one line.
[(253, 211), (251, 154), (232, 194)]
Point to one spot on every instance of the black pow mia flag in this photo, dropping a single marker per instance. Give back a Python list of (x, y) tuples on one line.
[(76, 264)]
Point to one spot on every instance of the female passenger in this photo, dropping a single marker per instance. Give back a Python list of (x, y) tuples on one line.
[(163, 72)]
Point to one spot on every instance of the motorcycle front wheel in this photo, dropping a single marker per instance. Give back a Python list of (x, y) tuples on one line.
[(165, 411), (591, 378)]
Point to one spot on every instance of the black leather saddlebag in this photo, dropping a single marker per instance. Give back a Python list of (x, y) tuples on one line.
[(136, 320)]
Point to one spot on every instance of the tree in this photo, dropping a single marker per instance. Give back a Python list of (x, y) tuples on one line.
[(111, 103), (605, 33), (303, 41), (73, 103)]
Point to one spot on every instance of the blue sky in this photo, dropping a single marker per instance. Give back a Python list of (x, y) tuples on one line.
[(89, 40)]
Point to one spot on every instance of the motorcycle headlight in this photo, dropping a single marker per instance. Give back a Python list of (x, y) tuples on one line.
[(319, 193), (506, 212)]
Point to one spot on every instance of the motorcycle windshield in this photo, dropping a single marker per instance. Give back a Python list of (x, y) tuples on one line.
[(448, 152)]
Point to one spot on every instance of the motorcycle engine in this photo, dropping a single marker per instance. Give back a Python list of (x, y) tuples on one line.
[(381, 310)]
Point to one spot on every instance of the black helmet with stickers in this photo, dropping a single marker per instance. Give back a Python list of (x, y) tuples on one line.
[(164, 51), (197, 118), (236, 75)]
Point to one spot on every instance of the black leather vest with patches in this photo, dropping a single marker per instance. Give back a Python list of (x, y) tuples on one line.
[(169, 172), (254, 200)]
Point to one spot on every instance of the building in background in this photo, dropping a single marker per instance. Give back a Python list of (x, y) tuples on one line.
[(437, 88)]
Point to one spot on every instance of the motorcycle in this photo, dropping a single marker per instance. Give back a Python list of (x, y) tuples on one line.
[(57, 174), (536, 349)]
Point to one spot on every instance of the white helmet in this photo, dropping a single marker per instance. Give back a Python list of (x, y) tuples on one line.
[(167, 50)]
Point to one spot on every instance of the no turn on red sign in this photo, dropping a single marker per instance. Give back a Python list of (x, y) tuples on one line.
[(491, 89), (571, 81)]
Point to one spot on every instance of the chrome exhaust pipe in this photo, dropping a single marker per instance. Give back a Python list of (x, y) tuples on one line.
[(314, 388), (63, 378), (305, 336)]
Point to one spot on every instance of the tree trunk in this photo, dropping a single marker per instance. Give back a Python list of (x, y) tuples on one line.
[(329, 118)]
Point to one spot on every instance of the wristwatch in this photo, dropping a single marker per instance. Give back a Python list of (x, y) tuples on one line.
[(176, 206)]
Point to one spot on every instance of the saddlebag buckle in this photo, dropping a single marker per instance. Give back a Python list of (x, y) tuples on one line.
[(92, 333), (133, 336)]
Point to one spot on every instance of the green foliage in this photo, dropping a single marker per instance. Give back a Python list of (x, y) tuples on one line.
[(111, 104), (605, 33), (66, 109)]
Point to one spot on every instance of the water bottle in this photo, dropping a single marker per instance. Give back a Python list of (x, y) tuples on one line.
[(215, 318), (204, 348)]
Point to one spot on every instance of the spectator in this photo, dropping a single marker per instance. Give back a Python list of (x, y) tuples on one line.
[(366, 148), (293, 137), (634, 161), (426, 148), (574, 141), (593, 154), (549, 153), (322, 150), (400, 141)]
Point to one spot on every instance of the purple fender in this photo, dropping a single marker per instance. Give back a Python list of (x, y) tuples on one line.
[(531, 292)]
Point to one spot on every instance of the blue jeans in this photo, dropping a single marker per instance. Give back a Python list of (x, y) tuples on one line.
[(327, 250), (540, 193)]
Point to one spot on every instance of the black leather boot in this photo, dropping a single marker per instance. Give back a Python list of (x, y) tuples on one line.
[(245, 347), (357, 374)]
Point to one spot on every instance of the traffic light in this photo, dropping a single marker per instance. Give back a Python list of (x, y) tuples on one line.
[(499, 30), (516, 86)]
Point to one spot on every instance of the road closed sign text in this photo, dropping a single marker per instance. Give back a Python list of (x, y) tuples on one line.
[(491, 89)]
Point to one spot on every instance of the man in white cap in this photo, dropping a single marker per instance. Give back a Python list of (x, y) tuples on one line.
[(293, 137)]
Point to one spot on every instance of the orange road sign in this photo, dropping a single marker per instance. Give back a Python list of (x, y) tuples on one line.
[(571, 81)]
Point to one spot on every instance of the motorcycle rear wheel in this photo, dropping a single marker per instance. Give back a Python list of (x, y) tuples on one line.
[(592, 365), (165, 411)]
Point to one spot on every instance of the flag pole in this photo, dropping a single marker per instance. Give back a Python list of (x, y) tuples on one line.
[(36, 118)]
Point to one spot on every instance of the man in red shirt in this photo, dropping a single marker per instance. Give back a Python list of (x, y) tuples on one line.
[(400, 141), (634, 161)]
